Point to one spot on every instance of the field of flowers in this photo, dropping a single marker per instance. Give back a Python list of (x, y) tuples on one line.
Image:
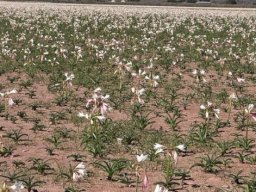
[(127, 98)]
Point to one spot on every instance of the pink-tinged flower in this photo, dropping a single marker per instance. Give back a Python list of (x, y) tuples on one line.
[(98, 102), (145, 183), (104, 108)]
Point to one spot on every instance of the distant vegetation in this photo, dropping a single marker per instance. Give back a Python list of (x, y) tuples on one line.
[(222, 3)]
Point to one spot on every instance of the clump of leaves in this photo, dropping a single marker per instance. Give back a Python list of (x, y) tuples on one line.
[(112, 167), (210, 163)]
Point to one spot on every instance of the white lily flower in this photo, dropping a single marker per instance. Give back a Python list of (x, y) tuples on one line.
[(141, 158), (253, 116), (202, 107), (182, 147), (249, 108), (98, 90), (156, 77), (119, 141), (209, 103), (101, 118), (79, 172), (233, 97), (216, 113), (13, 91), (134, 74), (240, 80), (160, 189), (11, 102), (82, 114), (141, 73), (17, 186), (140, 92), (207, 115), (175, 157), (158, 146), (194, 72), (150, 65), (147, 77), (202, 72), (160, 150), (69, 77)]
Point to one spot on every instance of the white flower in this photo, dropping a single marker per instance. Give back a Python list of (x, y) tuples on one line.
[(119, 141), (150, 65), (13, 91), (230, 73), (253, 116), (209, 103), (160, 189), (158, 146), (240, 80), (202, 72), (160, 150), (249, 108), (202, 107), (101, 118), (138, 93), (182, 147), (11, 102), (206, 114), (175, 157), (98, 90), (79, 172), (69, 77), (82, 114), (141, 158), (216, 113), (17, 186), (194, 72), (233, 97)]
